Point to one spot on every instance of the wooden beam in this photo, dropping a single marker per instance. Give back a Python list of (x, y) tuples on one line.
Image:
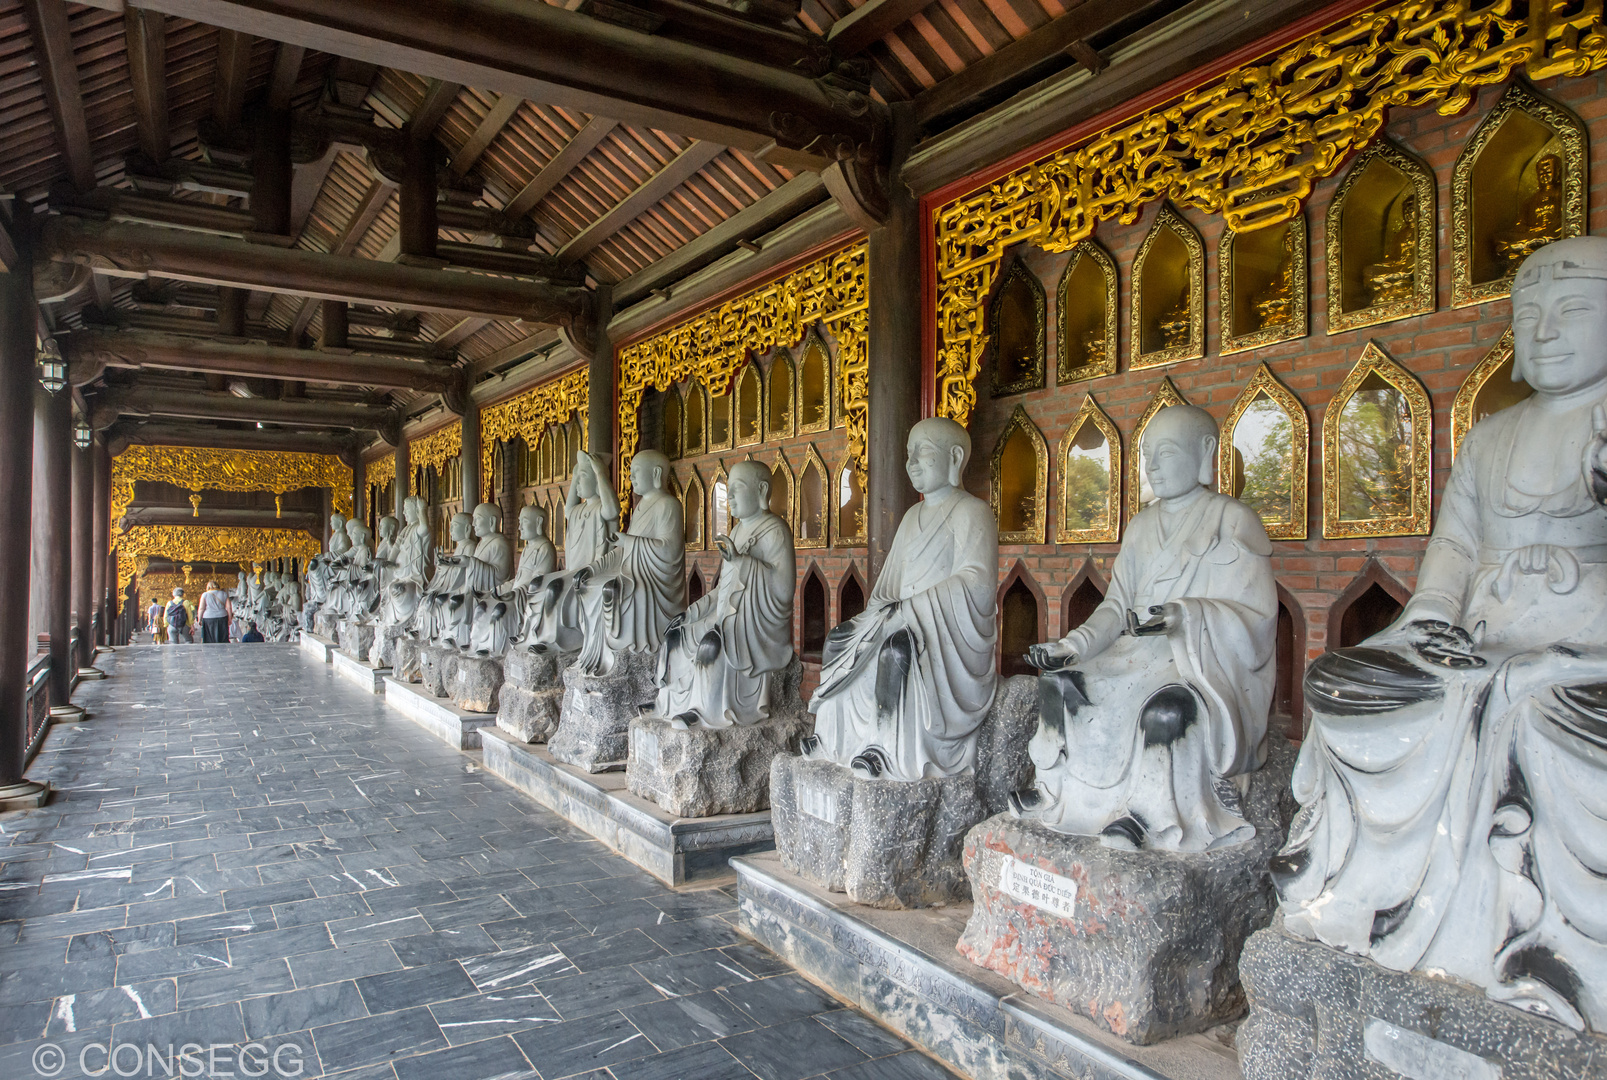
[(9, 258), (374, 200), (461, 332), (224, 518), (145, 251), (201, 405), (561, 165), (146, 35), (438, 98), (1015, 59), (176, 434), (486, 133), (58, 71), (869, 23), (234, 69), (286, 71), (680, 169)]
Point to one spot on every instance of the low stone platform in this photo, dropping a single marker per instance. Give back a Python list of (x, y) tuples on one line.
[(361, 672), (1318, 1012), (451, 725), (594, 726), (677, 851), (902, 969), (356, 638), (318, 648)]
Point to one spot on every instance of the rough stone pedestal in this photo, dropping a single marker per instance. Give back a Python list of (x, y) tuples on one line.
[(594, 730), (894, 843), (476, 682), (700, 771), (532, 694), (437, 665), (356, 638), (1144, 943), (325, 625), (408, 658), (1318, 1012), (383, 652)]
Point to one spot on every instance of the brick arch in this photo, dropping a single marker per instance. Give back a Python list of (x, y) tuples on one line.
[(853, 577), (1012, 637), (1289, 654), (1364, 589), (1087, 575), (813, 623), (695, 589)]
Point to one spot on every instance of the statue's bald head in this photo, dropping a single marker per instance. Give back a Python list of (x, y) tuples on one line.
[(1190, 436), (487, 516), (937, 452), (1559, 318), (1183, 422), (649, 471)]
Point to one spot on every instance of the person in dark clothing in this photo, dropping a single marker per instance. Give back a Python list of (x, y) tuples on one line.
[(180, 631), (251, 635)]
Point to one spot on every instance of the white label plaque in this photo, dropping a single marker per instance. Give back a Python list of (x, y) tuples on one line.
[(818, 803), (1418, 1057), (1041, 888), (645, 743)]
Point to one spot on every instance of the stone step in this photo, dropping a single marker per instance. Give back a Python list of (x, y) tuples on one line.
[(453, 726)]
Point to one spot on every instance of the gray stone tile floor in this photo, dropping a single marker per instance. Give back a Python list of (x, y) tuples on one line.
[(247, 855)]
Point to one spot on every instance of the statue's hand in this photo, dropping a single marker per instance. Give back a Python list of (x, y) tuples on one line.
[(1051, 656), (1157, 623), (725, 547), (1444, 644), (583, 575)]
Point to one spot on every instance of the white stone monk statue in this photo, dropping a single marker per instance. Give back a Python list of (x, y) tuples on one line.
[(591, 521), (407, 574), (1149, 707), (350, 591), (479, 572), (721, 655), (498, 614), (339, 542), (1453, 785), (434, 605), (907, 682), (630, 594), (383, 561)]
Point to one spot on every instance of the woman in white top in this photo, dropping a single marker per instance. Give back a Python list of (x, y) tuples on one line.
[(214, 611)]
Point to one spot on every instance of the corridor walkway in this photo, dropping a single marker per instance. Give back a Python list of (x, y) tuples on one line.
[(244, 852)]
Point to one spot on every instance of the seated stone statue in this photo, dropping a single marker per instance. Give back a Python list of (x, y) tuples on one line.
[(722, 654), (907, 682), (480, 571), (339, 541), (352, 589), (629, 595), (1163, 693), (383, 560), (407, 566), (1453, 785), (499, 613), (315, 591), (591, 520), (433, 614)]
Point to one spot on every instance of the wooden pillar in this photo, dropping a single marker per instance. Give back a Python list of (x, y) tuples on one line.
[(404, 477), (419, 226), (600, 380), (326, 508), (53, 448), (895, 354), (507, 496), (271, 174), (102, 535), (232, 311), (469, 458), (334, 332), (17, 380), (83, 547), (360, 493)]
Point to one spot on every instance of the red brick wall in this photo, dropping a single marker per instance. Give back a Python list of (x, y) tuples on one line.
[(1439, 348)]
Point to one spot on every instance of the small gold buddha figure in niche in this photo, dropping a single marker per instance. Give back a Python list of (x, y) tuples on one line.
[(1395, 278), (1093, 344), (1173, 325), (1541, 220), (1274, 304)]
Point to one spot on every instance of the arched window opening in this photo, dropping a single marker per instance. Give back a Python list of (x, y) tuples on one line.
[(1080, 604), (814, 617), (850, 599), (1368, 614), (694, 587), (1018, 629)]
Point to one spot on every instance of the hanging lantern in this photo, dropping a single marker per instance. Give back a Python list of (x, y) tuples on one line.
[(52, 368), (195, 504), (82, 436)]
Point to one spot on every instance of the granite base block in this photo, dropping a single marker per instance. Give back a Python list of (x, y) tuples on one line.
[(476, 683), (326, 625), (676, 851), (409, 658), (361, 672), (900, 967), (1145, 943), (594, 726), (453, 726), (1318, 1012), (317, 648), (383, 651), (356, 638), (436, 665)]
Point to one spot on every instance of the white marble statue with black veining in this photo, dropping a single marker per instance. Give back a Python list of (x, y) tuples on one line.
[(906, 683), (381, 566), (434, 606), (724, 656), (480, 573), (1164, 692), (591, 520), (406, 572), (1453, 784), (500, 614)]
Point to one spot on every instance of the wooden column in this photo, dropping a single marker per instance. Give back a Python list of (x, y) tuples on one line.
[(360, 494), (469, 458), (53, 448), (326, 508), (404, 477), (419, 226), (102, 536), (271, 174), (17, 380), (232, 311), (600, 380), (895, 355), (83, 546), (334, 333)]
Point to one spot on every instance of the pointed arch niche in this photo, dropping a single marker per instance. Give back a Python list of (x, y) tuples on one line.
[(749, 404), (812, 623), (1380, 246), (848, 520), (693, 508), (694, 586), (1085, 593), (781, 484), (1086, 306), (719, 504), (1488, 388), (814, 385), (719, 418), (1262, 297), (1262, 457), (696, 411), (1518, 184), (1022, 608), (1020, 480), (1167, 312), (1138, 492), (780, 390), (672, 423), (1090, 466), (814, 501), (851, 594), (1371, 601), (1016, 327), (1377, 442)]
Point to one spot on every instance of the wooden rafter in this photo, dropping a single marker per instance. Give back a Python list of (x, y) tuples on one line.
[(373, 201), (680, 169), (484, 135), (146, 35), (234, 69), (870, 22), (438, 98), (562, 163), (58, 70)]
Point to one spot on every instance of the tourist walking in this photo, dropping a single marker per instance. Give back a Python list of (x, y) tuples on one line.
[(215, 611), (153, 621), (180, 631)]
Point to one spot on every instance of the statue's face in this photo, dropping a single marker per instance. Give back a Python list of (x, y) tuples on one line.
[(337, 522), (585, 484), (459, 528), (932, 466), (1172, 460), (531, 524), (644, 476), (1559, 334), (746, 496), (485, 523), (387, 528)]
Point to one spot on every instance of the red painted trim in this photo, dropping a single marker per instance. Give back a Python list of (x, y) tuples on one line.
[(930, 202)]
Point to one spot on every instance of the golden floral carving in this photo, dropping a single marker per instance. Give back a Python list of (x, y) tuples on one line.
[(380, 471), (528, 415), (216, 544), (1249, 144), (437, 448), (1264, 382), (197, 468), (833, 290)]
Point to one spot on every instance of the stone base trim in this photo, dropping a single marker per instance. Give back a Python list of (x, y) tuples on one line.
[(316, 647), (700, 771), (594, 728), (361, 672), (458, 729), (677, 851), (901, 968)]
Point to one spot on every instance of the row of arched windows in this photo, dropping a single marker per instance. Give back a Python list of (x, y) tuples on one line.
[(793, 396)]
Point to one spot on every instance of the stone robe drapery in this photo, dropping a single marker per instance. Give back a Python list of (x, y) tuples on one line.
[(938, 583), (431, 621), (351, 592), (637, 587), (552, 618), (498, 615), (481, 573), (1096, 766), (1453, 819), (751, 612), (412, 553)]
